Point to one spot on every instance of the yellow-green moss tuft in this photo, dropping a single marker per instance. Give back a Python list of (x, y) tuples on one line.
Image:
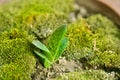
[(107, 39), (13, 34), (80, 40), (16, 59), (15, 71), (96, 39)]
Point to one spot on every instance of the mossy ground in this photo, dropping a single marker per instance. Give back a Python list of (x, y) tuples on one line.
[(94, 42), (38, 16), (20, 22)]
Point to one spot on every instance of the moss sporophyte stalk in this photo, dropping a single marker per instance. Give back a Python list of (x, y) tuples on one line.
[(56, 45)]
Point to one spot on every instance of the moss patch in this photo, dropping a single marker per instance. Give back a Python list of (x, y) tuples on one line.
[(107, 39), (80, 40), (95, 43), (16, 59), (18, 20), (35, 16)]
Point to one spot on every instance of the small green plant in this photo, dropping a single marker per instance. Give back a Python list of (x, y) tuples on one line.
[(56, 45)]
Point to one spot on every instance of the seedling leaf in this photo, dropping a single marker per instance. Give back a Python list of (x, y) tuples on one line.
[(46, 62), (56, 45), (62, 46), (55, 39), (41, 46)]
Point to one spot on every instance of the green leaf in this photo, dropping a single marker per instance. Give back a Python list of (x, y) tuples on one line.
[(56, 44), (55, 39), (41, 46), (46, 62), (62, 47)]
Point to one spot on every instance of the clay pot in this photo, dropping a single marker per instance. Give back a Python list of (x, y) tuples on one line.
[(110, 8)]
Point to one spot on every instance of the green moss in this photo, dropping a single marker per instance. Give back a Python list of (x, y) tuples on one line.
[(16, 59), (15, 71), (13, 34), (45, 23), (80, 40), (86, 75), (39, 17), (107, 39), (103, 25), (63, 6), (38, 14), (96, 39)]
